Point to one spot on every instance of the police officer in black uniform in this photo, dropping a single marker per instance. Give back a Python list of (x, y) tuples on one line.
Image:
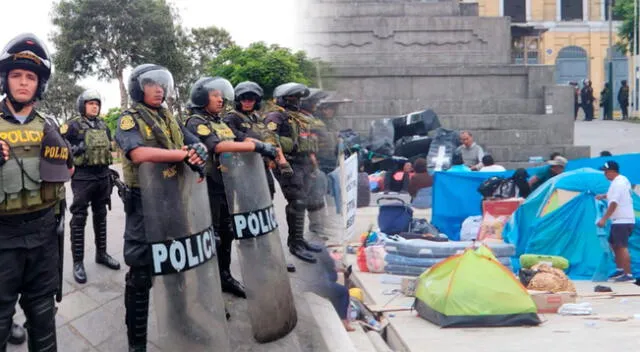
[(35, 161), (245, 122), (208, 97), (147, 132), (299, 146), (90, 141)]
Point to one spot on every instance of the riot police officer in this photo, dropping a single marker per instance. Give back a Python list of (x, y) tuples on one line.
[(90, 141), (35, 161), (208, 97), (245, 122), (299, 146), (146, 132)]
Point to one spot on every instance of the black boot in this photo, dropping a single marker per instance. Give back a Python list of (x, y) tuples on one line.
[(18, 335), (77, 247), (295, 241), (231, 285), (100, 230), (136, 301)]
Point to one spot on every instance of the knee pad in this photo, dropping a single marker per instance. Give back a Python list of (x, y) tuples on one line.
[(139, 278), (298, 205)]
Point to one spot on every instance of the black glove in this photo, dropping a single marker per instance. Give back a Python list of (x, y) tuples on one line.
[(78, 149), (201, 150), (265, 149)]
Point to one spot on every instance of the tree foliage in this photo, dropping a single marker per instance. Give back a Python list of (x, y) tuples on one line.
[(111, 119), (269, 66), (103, 38), (61, 96), (624, 9)]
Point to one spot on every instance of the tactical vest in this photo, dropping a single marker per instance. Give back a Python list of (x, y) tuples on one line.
[(224, 133), (301, 132), (97, 144), (169, 128), (326, 142), (258, 127), (21, 189)]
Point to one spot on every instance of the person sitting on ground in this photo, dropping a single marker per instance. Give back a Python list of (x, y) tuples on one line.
[(605, 153), (457, 164), (421, 179), (555, 167), (623, 218), (488, 165), (398, 181), (471, 152)]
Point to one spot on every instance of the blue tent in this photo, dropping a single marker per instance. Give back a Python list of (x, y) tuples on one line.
[(559, 219), (456, 197)]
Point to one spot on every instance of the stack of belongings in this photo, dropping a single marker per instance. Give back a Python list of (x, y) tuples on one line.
[(441, 150), (544, 277), (472, 289), (424, 246), (410, 134)]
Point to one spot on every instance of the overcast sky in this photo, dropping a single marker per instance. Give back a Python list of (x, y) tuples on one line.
[(246, 20)]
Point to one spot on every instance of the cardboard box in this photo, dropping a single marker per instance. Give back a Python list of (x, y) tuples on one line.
[(408, 286), (550, 302)]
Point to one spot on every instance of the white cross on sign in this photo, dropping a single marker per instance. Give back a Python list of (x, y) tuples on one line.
[(440, 159)]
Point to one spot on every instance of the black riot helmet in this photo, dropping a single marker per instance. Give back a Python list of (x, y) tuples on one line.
[(149, 74), (288, 95), (311, 101), (247, 89), (25, 52), (200, 90), (86, 96)]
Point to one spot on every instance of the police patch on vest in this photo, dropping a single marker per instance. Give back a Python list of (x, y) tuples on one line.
[(126, 123), (64, 128), (254, 223), (182, 254), (203, 130), (272, 126)]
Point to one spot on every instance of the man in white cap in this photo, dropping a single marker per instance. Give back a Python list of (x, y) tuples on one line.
[(555, 167)]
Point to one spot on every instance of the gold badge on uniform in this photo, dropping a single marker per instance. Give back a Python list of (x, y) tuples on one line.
[(203, 130), (126, 123), (64, 128), (272, 126)]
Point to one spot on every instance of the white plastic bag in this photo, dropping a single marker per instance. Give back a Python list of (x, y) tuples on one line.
[(470, 228)]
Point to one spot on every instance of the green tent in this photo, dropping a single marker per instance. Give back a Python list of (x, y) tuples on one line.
[(473, 289)]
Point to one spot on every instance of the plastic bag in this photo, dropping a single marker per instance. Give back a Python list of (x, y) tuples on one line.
[(470, 228), (375, 258)]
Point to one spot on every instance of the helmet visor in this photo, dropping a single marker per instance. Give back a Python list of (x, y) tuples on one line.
[(222, 85), (157, 79)]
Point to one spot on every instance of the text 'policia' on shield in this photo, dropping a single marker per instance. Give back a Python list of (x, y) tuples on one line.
[(181, 254), (254, 223)]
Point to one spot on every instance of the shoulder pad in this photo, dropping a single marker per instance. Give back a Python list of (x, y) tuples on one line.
[(194, 116), (275, 116)]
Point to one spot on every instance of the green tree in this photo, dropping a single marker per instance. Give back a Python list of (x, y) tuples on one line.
[(624, 9), (269, 66), (103, 38), (200, 46), (60, 100), (111, 119)]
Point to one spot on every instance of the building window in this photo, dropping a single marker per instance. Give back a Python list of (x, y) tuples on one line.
[(616, 17), (525, 50), (516, 9), (571, 10)]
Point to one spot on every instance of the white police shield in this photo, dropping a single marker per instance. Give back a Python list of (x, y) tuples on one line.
[(186, 291), (272, 311)]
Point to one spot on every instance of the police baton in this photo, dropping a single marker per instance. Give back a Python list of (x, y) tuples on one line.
[(60, 233)]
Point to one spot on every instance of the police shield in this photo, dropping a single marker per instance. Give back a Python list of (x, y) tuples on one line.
[(269, 298), (186, 290)]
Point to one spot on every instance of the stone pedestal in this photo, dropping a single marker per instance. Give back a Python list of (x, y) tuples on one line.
[(395, 57)]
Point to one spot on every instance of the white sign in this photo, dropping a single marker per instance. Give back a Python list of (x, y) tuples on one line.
[(349, 191), (549, 109)]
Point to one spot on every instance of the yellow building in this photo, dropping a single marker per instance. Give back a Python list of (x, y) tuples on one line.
[(573, 35)]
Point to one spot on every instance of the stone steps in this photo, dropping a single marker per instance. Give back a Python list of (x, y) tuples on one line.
[(521, 153), (347, 8), (504, 121), (517, 137), (376, 109)]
